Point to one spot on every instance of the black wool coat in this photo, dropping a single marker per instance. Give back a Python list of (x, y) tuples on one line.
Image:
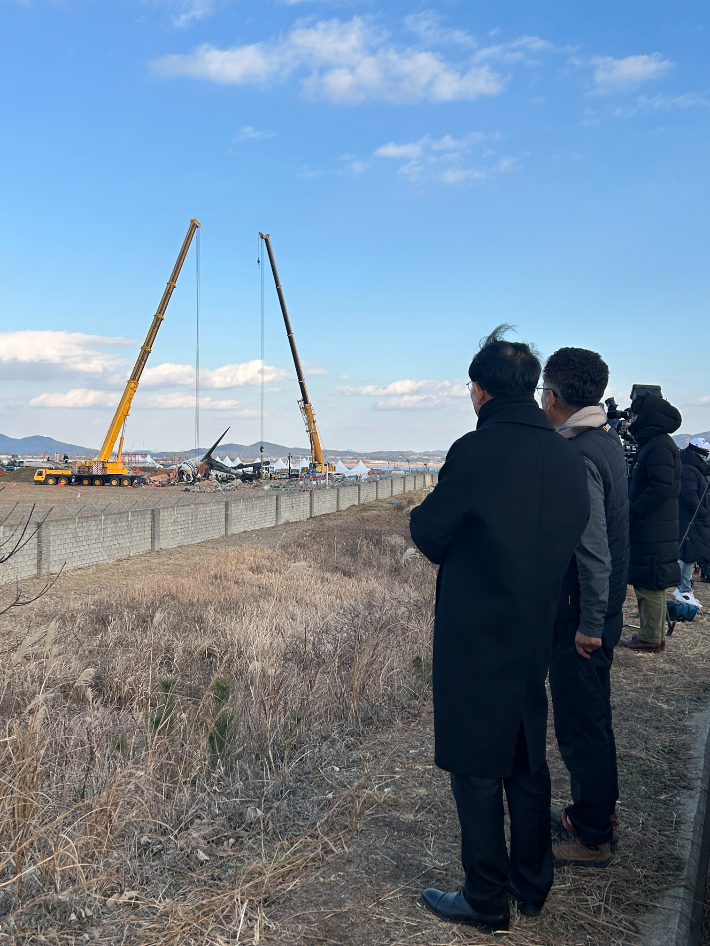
[(696, 547), (502, 523), (653, 495)]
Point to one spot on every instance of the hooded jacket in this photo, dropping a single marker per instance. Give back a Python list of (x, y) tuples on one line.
[(696, 547), (653, 495)]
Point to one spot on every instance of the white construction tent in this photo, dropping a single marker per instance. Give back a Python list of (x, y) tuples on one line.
[(360, 470), (341, 468)]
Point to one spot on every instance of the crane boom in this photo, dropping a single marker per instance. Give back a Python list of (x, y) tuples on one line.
[(306, 407), (124, 405)]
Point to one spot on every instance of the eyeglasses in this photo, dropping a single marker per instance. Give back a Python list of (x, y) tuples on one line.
[(545, 387), (468, 384)]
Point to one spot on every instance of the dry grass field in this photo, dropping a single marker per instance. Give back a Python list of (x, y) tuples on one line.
[(231, 743)]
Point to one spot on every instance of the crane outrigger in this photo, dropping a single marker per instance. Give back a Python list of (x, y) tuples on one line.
[(103, 470), (317, 459)]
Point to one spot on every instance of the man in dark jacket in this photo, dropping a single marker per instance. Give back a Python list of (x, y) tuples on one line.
[(589, 613), (653, 516), (694, 520), (502, 523)]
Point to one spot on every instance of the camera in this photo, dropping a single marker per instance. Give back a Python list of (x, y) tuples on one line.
[(620, 419)]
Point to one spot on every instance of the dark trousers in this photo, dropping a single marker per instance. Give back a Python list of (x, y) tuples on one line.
[(583, 726), (483, 851)]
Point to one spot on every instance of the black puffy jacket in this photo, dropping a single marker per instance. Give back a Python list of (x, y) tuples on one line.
[(696, 547), (653, 495)]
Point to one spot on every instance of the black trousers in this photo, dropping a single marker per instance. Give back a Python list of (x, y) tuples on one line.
[(485, 859), (583, 726)]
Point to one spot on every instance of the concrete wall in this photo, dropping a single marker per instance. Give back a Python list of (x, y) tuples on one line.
[(293, 507), (23, 563), (87, 540), (367, 492), (256, 512), (384, 488), (347, 496), (324, 500)]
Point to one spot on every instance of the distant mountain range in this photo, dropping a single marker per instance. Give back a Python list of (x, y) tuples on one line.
[(272, 450), (684, 439), (40, 445)]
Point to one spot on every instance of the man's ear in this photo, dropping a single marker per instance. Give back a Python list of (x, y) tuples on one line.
[(481, 393)]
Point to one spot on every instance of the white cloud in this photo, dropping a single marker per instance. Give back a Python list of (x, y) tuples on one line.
[(85, 397), (391, 150), (347, 62), (407, 386), (427, 25), (247, 133), (74, 351), (227, 376), (682, 100), (176, 399), (620, 75), (190, 11), (447, 159), (76, 397), (517, 50), (408, 394)]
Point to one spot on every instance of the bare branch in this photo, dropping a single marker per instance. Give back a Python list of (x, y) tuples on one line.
[(18, 603)]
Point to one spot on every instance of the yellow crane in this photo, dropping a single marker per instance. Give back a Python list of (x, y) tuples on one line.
[(317, 459), (103, 470)]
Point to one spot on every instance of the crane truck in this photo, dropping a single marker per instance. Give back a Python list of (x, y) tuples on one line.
[(103, 471), (318, 464)]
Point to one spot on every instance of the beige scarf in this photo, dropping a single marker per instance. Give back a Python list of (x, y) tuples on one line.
[(585, 419)]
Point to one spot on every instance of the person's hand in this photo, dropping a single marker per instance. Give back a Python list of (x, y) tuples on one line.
[(586, 645)]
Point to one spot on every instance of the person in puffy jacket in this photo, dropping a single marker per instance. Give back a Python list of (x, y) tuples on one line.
[(653, 516), (694, 516)]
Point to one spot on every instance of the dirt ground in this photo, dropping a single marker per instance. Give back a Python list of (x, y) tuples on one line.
[(19, 487), (392, 829)]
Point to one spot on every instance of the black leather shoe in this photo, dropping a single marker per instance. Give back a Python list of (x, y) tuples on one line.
[(526, 907), (455, 908)]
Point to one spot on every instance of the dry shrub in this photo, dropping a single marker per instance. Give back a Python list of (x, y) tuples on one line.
[(148, 721)]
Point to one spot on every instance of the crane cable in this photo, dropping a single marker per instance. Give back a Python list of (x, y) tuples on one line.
[(259, 263), (197, 345)]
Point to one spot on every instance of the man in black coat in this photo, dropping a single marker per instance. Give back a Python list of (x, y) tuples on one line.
[(653, 517), (589, 613), (694, 520), (502, 523)]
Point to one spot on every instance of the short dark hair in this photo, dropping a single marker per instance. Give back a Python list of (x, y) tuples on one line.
[(577, 376), (503, 367)]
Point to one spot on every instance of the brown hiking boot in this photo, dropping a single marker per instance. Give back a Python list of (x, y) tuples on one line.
[(558, 816), (569, 850), (635, 643)]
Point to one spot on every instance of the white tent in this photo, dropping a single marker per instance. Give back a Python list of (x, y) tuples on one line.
[(225, 460), (341, 468), (279, 465), (303, 463), (360, 470), (236, 461)]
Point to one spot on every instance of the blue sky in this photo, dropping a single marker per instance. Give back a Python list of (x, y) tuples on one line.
[(425, 171)]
